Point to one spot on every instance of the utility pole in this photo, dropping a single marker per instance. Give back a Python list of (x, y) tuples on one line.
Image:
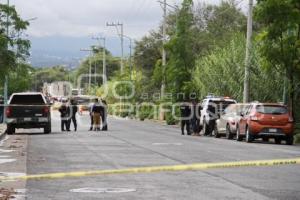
[(90, 67), (103, 59), (5, 95), (130, 54), (122, 41), (163, 85), (248, 52)]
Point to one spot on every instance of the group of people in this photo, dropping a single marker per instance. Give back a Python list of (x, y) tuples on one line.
[(190, 117), (98, 115), (97, 111)]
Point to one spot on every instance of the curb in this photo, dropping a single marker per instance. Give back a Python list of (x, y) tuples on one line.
[(2, 131)]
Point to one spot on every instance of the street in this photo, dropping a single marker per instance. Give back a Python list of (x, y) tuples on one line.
[(131, 143)]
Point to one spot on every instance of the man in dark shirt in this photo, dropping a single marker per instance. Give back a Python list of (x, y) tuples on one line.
[(64, 115), (97, 113), (185, 111), (104, 115), (73, 109)]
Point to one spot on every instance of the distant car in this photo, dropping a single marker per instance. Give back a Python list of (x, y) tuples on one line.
[(227, 123), (212, 107), (28, 110), (265, 120)]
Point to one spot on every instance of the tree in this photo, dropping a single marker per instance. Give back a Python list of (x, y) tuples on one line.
[(13, 48), (221, 73), (181, 51), (279, 40)]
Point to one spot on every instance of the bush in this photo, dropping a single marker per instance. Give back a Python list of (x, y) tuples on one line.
[(170, 119)]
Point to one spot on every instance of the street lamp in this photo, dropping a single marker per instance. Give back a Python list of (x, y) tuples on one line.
[(130, 54)]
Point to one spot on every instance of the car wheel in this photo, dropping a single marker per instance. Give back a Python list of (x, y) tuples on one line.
[(277, 141), (265, 139), (47, 129), (290, 140), (228, 133), (238, 135), (249, 136), (10, 130), (216, 132)]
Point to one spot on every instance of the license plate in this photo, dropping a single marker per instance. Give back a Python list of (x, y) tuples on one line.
[(273, 130), (27, 119)]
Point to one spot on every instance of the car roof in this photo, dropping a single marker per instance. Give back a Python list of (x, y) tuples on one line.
[(28, 93)]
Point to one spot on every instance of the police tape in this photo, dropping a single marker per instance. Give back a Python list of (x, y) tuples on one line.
[(156, 169)]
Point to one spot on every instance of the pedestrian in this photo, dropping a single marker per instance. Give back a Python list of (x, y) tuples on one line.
[(97, 112), (91, 105), (195, 119), (104, 116), (64, 115), (1, 109), (185, 112), (73, 109)]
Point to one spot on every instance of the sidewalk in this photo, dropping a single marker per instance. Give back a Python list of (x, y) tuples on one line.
[(2, 130)]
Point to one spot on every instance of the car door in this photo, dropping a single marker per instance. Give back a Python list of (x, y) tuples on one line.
[(244, 118)]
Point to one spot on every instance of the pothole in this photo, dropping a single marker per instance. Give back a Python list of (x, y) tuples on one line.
[(103, 190)]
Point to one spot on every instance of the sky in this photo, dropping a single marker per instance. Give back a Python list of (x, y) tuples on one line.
[(62, 27)]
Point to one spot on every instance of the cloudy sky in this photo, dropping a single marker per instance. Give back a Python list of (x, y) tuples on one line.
[(78, 18), (63, 27)]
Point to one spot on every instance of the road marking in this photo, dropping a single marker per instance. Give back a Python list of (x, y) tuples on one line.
[(166, 144), (103, 190), (188, 167)]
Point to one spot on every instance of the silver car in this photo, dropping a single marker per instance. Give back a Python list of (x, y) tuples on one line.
[(227, 123)]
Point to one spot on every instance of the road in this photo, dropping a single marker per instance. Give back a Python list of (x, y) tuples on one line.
[(130, 143)]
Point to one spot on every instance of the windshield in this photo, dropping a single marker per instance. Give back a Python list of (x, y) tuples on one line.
[(27, 100), (275, 110)]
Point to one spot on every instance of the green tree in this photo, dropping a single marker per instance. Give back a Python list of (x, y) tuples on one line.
[(181, 51), (13, 49), (279, 40), (222, 71)]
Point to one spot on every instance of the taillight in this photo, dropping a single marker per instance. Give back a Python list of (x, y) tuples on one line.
[(291, 120), (8, 111), (46, 110)]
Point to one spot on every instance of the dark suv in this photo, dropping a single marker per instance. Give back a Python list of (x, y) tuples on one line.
[(28, 110)]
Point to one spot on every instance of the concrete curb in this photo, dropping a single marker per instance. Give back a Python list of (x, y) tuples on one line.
[(2, 131)]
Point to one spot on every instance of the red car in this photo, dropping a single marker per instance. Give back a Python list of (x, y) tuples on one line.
[(266, 120)]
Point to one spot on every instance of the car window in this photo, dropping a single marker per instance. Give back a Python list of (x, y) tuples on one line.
[(27, 99), (270, 109)]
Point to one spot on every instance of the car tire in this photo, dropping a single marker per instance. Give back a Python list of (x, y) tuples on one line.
[(249, 136), (265, 139), (289, 140), (277, 141), (238, 135), (216, 132), (47, 129), (10, 130), (228, 133)]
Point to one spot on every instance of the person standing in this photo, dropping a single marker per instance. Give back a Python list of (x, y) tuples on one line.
[(1, 109), (64, 115), (97, 112), (185, 112), (195, 120), (73, 109), (104, 115), (91, 114)]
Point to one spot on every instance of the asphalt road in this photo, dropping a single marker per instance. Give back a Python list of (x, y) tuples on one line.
[(130, 143)]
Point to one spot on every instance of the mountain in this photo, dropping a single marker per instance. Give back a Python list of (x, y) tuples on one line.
[(51, 51)]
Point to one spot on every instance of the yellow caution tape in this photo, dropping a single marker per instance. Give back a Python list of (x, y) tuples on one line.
[(188, 167)]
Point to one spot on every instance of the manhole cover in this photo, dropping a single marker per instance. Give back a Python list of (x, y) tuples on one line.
[(103, 190)]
